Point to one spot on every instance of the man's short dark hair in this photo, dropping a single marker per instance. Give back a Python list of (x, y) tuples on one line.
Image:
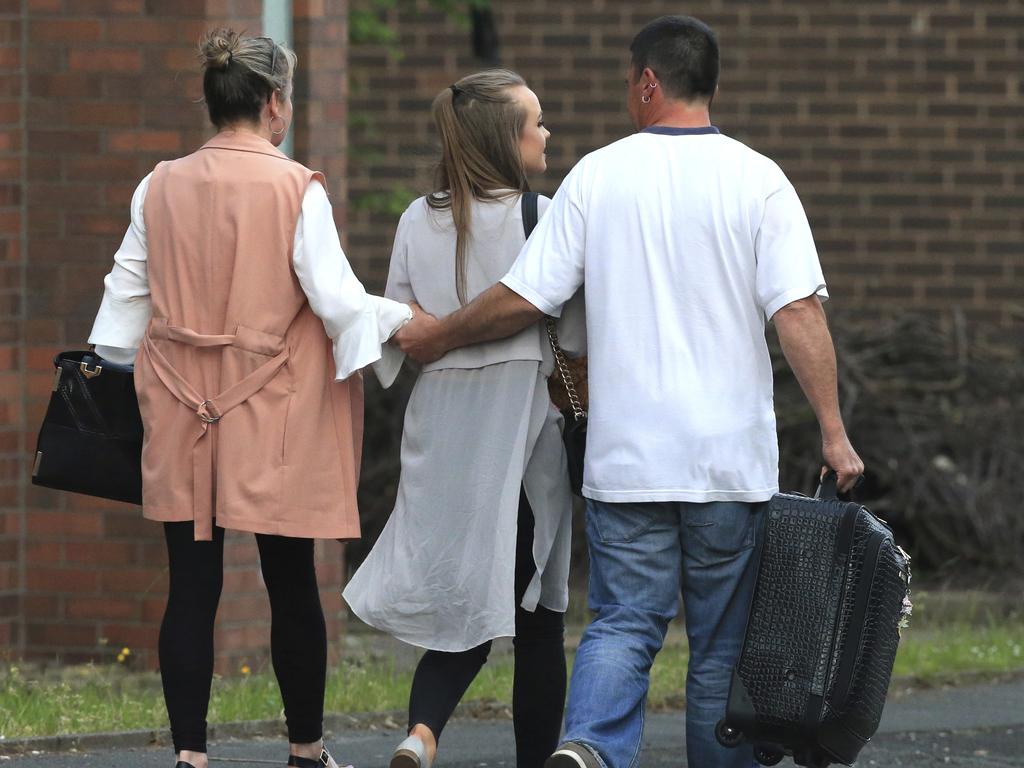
[(683, 52)]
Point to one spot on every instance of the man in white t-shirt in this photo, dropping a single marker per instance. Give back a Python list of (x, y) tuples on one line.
[(688, 243)]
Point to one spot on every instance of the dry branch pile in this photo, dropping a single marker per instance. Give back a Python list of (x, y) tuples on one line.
[(937, 414)]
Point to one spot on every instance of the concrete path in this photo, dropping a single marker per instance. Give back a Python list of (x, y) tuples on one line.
[(980, 726)]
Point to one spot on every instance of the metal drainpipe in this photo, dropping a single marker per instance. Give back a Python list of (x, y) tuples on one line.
[(277, 23)]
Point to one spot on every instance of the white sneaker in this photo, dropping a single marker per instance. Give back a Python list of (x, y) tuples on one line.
[(411, 753)]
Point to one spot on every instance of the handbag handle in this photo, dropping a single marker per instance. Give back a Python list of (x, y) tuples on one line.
[(528, 202), (829, 487), (563, 371)]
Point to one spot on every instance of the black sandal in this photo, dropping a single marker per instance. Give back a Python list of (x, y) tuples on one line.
[(325, 761)]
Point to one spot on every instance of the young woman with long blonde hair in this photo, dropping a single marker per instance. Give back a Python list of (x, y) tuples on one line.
[(478, 544)]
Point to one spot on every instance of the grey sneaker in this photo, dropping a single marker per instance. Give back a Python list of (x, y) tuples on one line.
[(572, 755)]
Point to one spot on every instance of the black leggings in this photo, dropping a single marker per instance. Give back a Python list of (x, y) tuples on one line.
[(298, 635), (538, 687)]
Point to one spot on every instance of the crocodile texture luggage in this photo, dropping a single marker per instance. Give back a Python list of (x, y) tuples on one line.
[(813, 673)]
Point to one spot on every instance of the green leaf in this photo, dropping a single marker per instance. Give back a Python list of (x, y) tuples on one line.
[(392, 202)]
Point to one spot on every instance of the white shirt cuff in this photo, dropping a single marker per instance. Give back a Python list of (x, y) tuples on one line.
[(360, 344), (390, 363), (792, 295), (121, 322), (117, 355), (545, 306)]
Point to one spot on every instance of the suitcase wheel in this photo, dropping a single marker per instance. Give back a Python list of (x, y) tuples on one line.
[(728, 736), (768, 755)]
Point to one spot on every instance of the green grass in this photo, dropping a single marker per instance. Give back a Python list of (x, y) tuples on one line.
[(944, 655), (947, 641), (81, 699)]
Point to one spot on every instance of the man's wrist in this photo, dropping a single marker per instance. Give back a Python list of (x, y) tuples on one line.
[(444, 338), (833, 431)]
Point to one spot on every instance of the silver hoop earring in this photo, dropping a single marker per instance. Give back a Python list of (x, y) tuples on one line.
[(284, 125), (645, 99)]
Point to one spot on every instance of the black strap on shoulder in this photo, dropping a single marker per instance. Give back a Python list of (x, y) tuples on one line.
[(529, 205)]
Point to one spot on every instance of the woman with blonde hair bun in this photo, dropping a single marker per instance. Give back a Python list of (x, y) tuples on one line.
[(231, 295), (477, 546)]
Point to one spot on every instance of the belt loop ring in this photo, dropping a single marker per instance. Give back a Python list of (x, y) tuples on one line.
[(204, 414)]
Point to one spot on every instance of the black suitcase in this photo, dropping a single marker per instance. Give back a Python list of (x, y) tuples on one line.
[(832, 590)]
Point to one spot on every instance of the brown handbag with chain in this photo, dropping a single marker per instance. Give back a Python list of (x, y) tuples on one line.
[(578, 374), (568, 390), (574, 433)]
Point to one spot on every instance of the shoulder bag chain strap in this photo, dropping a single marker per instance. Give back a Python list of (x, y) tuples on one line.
[(563, 370)]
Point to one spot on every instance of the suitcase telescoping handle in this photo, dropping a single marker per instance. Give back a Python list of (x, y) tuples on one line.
[(829, 487)]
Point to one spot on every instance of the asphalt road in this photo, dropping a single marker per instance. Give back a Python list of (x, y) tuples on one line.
[(972, 726)]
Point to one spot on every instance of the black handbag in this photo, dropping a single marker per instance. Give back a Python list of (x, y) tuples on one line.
[(574, 433), (91, 438)]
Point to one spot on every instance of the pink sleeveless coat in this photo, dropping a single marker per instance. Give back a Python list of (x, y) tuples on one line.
[(244, 421)]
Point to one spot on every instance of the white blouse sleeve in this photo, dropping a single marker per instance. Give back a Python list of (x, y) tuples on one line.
[(400, 289), (126, 307), (358, 323)]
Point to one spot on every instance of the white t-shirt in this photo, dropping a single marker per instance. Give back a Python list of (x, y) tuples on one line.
[(687, 241)]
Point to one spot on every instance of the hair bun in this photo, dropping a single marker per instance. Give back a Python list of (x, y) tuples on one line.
[(217, 48)]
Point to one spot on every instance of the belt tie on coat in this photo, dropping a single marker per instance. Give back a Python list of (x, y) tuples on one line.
[(209, 410)]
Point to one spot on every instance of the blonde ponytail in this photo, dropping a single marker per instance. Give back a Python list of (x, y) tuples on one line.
[(479, 123)]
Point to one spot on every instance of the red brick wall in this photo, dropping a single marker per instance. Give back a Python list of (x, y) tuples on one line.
[(320, 33), (12, 214), (103, 106), (900, 123), (321, 92), (113, 88)]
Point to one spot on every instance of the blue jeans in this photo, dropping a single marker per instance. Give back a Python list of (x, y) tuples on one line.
[(640, 556)]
